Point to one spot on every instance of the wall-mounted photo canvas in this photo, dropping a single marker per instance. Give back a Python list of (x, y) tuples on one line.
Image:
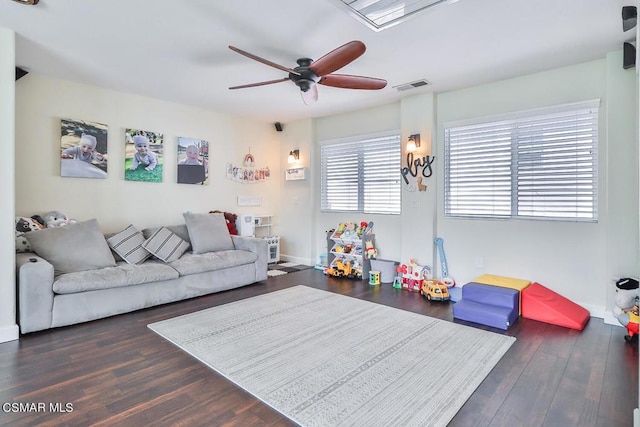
[(83, 149), (193, 161), (144, 157)]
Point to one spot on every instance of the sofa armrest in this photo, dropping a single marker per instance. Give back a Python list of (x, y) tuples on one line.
[(35, 292), (257, 246)]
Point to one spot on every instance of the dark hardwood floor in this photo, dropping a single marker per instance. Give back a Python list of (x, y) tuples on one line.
[(116, 371)]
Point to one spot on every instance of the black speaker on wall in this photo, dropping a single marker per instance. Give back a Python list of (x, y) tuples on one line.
[(628, 56), (629, 17), (20, 73), (278, 126)]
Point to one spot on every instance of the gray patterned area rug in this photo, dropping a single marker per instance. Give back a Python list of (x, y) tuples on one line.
[(324, 359)]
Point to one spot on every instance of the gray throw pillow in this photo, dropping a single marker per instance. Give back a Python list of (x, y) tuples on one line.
[(128, 244), (74, 247), (165, 245), (208, 232)]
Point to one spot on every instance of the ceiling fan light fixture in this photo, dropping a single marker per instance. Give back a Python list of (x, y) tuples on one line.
[(310, 96), (309, 73)]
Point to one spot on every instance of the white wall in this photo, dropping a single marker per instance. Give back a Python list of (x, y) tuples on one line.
[(577, 260), (297, 209), (419, 207), (8, 327), (42, 102), (622, 175), (572, 259), (387, 228)]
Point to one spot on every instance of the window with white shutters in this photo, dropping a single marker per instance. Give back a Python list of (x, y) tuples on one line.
[(540, 164), (361, 175)]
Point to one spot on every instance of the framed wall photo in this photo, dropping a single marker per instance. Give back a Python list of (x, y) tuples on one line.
[(144, 157), (83, 149), (193, 161)]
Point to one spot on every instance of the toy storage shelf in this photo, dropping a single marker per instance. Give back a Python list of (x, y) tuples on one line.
[(349, 249)]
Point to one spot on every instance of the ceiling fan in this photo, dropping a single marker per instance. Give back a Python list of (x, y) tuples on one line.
[(309, 72)]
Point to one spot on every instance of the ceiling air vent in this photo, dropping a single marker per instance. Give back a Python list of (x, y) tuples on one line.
[(412, 85)]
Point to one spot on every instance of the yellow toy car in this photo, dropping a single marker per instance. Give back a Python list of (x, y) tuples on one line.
[(434, 290)]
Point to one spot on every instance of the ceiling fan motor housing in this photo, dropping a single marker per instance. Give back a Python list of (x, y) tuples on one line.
[(306, 77)]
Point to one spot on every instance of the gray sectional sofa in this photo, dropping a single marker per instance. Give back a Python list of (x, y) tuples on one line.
[(77, 274)]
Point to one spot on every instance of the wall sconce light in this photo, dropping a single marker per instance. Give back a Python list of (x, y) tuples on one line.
[(414, 143), (294, 155)]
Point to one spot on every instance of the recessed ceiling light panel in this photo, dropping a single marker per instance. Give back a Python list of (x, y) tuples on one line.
[(381, 14)]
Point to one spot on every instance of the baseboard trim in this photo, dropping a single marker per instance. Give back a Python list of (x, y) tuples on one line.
[(609, 319), (9, 333)]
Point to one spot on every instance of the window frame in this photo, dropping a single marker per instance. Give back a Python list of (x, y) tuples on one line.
[(513, 124), (362, 144)]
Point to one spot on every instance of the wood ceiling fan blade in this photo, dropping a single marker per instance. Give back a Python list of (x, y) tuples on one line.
[(338, 58), (310, 96), (268, 82), (346, 81), (264, 61)]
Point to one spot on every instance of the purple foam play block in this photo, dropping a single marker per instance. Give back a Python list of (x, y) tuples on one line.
[(488, 305)]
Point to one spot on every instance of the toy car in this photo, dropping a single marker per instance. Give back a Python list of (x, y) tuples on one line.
[(434, 290), (342, 268)]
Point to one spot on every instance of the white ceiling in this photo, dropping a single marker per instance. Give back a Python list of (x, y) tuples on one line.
[(177, 50)]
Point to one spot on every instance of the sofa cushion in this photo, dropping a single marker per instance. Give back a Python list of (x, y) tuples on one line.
[(165, 245), (180, 230), (128, 244), (191, 263), (74, 247), (208, 232), (113, 277)]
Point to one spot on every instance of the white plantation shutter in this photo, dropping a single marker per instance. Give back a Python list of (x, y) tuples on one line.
[(361, 175), (538, 164), (478, 170)]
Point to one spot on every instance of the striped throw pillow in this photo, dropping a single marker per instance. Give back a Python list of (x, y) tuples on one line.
[(165, 245), (128, 244)]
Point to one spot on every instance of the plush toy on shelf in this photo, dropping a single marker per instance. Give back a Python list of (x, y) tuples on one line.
[(369, 251)]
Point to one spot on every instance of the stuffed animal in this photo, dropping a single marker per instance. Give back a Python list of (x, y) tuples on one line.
[(26, 225), (231, 221), (369, 251), (626, 308), (57, 219), (22, 244)]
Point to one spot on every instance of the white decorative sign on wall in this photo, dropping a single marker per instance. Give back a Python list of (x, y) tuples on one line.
[(294, 174)]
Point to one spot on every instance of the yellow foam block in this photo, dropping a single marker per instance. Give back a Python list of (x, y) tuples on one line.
[(505, 282)]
